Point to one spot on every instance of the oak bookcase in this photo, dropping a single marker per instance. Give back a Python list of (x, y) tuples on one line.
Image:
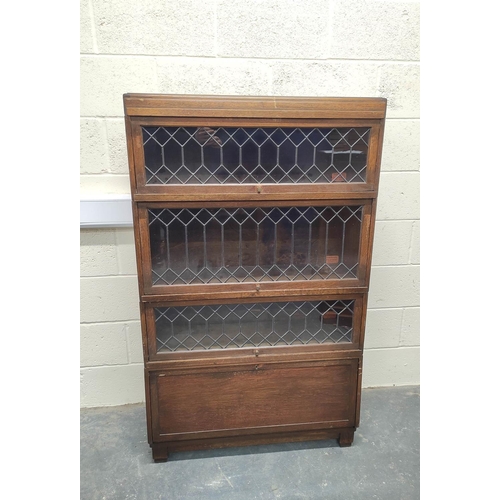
[(253, 222)]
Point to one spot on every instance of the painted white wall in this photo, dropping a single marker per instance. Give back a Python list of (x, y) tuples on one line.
[(251, 47)]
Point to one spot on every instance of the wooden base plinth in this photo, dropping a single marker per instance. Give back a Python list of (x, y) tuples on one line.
[(161, 451)]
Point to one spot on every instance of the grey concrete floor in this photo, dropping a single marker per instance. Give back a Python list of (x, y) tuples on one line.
[(382, 463)]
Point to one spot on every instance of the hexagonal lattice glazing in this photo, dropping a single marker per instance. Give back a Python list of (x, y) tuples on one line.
[(235, 245), (228, 326), (223, 155)]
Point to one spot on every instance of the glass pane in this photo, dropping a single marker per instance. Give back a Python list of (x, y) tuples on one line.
[(195, 328), (238, 245), (204, 155)]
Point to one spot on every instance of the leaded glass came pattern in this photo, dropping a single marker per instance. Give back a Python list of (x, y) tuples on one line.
[(234, 245), (227, 326), (222, 155)]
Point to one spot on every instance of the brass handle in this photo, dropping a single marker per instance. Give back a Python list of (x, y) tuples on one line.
[(259, 189)]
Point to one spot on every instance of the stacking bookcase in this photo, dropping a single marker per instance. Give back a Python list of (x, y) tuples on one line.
[(253, 223)]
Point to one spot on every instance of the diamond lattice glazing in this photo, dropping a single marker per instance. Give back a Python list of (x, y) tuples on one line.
[(222, 155), (228, 326), (254, 244)]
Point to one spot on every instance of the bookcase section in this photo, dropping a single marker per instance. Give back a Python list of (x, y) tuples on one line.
[(253, 223)]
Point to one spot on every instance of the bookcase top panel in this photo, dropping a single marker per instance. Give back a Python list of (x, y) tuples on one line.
[(254, 106)]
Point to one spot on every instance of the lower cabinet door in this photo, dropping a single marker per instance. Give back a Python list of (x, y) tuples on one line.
[(253, 399)]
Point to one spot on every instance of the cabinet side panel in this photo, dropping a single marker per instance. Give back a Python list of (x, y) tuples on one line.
[(257, 398)]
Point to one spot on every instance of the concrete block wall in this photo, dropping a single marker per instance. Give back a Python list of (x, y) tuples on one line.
[(252, 47)]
